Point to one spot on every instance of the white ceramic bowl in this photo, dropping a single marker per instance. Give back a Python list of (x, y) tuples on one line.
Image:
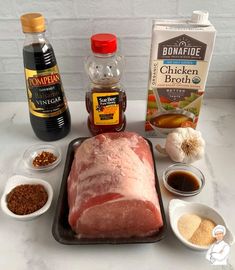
[(177, 208), (17, 180)]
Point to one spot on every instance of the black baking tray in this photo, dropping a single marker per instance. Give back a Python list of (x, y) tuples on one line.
[(61, 229)]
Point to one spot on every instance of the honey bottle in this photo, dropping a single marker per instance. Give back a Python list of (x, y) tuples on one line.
[(106, 98), (48, 109)]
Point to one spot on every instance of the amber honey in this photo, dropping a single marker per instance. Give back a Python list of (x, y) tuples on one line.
[(106, 98), (107, 112)]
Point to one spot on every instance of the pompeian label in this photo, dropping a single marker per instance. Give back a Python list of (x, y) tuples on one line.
[(182, 47), (45, 80), (106, 108), (45, 92)]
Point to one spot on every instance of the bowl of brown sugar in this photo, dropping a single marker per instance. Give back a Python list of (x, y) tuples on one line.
[(26, 198)]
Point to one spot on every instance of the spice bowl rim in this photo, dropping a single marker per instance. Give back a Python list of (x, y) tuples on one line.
[(183, 167), (17, 180), (178, 208), (35, 149)]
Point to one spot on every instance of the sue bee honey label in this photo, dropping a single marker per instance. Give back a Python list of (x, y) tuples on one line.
[(106, 108)]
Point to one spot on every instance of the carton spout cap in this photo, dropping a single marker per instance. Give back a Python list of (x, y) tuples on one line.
[(200, 17)]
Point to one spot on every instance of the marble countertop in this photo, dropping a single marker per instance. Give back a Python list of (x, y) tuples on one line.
[(31, 246)]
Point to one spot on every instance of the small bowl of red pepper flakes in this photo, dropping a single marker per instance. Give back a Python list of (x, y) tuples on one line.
[(26, 198), (42, 157)]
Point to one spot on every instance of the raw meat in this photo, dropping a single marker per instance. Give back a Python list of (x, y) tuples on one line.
[(111, 188)]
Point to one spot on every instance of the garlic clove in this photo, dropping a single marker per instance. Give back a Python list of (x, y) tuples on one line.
[(161, 149), (173, 147)]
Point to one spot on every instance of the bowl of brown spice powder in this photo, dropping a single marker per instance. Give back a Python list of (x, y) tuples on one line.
[(26, 198)]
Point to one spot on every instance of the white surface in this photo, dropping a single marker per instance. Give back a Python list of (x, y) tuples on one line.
[(178, 208), (31, 246)]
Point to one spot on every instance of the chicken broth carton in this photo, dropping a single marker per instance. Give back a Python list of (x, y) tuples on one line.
[(181, 52)]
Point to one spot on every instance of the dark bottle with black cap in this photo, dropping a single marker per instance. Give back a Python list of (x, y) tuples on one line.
[(49, 113)]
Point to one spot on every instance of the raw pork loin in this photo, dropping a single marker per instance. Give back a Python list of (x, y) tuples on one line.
[(111, 188)]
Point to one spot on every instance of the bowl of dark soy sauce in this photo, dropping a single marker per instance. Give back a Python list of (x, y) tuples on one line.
[(183, 179)]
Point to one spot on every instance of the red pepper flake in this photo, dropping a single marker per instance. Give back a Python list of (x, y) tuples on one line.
[(26, 199), (43, 159)]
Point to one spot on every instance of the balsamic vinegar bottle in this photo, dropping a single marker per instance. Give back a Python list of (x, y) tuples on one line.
[(48, 109)]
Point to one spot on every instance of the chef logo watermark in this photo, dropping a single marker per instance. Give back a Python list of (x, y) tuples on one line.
[(219, 251)]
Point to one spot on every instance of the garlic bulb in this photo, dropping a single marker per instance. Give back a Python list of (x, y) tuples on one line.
[(184, 145)]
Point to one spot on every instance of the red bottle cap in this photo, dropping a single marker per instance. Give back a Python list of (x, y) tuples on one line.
[(104, 43)]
